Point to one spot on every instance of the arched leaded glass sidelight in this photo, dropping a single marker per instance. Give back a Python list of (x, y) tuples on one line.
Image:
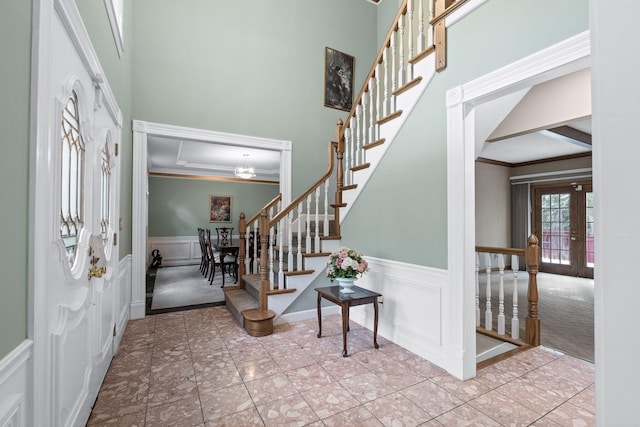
[(105, 191), (72, 158)]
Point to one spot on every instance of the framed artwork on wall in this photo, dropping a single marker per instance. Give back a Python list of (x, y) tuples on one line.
[(219, 208), (338, 79)]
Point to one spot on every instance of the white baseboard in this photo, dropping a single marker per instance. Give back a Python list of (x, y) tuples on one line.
[(15, 386), (306, 315)]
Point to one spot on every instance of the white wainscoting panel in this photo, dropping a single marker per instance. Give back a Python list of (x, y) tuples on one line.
[(411, 314), (123, 298), (178, 250), (16, 387)]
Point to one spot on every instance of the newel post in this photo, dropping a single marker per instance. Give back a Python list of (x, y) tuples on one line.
[(242, 268), (532, 259), (340, 148)]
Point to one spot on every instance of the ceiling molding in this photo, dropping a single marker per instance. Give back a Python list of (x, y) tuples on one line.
[(211, 178)]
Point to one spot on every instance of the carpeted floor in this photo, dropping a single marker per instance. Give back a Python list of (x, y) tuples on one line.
[(185, 286), (565, 310)]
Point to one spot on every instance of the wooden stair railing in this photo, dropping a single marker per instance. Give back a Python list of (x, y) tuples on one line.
[(531, 255), (390, 75)]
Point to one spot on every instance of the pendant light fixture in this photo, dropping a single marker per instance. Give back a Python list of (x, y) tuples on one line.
[(246, 171)]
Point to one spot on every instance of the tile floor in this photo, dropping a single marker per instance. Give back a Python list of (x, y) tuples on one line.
[(199, 368)]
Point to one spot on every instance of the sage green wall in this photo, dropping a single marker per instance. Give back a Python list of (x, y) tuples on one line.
[(409, 186), (15, 79), (118, 74), (177, 207), (254, 67)]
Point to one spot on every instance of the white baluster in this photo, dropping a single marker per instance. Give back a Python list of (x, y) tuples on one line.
[(299, 257), (385, 98), (316, 242), (365, 116), (501, 295), (256, 259), (477, 289), (325, 231), (420, 26), (347, 155), (410, 40), (394, 66), (379, 92), (272, 270), (290, 241), (488, 314), (372, 129), (515, 320), (308, 218), (281, 254), (432, 9), (352, 149), (359, 133), (401, 67)]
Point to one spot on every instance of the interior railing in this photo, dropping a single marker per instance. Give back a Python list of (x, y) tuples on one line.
[(296, 231), (491, 259)]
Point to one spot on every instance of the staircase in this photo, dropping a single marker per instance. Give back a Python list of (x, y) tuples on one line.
[(296, 240)]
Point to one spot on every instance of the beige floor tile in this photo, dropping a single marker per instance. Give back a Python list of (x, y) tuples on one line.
[(290, 411), (396, 410), (271, 388), (431, 398), (185, 412), (504, 410), (329, 399), (366, 387), (220, 403), (569, 415), (355, 417)]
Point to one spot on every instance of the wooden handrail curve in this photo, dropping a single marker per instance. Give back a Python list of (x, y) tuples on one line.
[(378, 60), (265, 208)]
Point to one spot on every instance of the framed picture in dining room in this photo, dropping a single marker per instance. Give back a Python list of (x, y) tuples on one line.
[(338, 79), (219, 208)]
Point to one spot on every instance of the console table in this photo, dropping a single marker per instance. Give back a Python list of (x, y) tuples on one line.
[(360, 296)]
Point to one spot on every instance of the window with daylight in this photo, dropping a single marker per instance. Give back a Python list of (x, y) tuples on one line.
[(72, 158), (105, 191)]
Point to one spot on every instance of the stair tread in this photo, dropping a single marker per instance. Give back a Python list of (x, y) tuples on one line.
[(241, 300)]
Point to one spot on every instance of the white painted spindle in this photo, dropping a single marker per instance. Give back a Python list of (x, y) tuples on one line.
[(488, 314), (299, 237), (281, 254), (394, 65), (385, 98), (432, 9), (316, 242), (325, 230), (420, 43), (308, 218), (501, 320), (289, 225), (372, 129), (379, 91), (515, 320), (410, 40), (401, 67)]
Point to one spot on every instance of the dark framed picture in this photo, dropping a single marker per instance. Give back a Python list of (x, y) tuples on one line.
[(338, 79), (219, 208)]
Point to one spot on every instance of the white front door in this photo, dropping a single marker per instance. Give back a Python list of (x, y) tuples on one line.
[(75, 210)]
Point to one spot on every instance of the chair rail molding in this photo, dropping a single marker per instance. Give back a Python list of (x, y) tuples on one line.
[(16, 388)]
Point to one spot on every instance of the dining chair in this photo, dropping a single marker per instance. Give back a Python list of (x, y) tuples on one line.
[(225, 235)]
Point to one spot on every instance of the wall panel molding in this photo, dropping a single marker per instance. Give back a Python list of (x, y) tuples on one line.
[(16, 387)]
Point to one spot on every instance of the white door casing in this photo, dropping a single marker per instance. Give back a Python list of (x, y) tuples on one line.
[(72, 317), (560, 59)]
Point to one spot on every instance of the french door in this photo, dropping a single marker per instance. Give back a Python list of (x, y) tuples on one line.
[(563, 222)]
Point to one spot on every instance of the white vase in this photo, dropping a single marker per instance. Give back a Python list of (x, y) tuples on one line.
[(346, 283)]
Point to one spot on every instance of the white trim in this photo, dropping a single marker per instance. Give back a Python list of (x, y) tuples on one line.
[(562, 58), (463, 11), (15, 386), (554, 173), (299, 316), (141, 130), (115, 12)]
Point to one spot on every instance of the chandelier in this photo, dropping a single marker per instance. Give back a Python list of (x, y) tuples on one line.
[(246, 171)]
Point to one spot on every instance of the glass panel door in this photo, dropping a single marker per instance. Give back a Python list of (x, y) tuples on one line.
[(563, 222)]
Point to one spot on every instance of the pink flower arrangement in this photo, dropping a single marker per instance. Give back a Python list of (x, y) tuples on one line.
[(346, 262)]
